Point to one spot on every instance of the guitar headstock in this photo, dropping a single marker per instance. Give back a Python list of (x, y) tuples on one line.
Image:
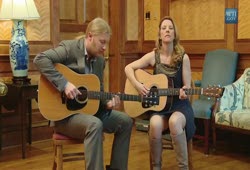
[(213, 91)]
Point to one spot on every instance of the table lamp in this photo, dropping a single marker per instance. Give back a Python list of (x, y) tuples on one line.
[(18, 11)]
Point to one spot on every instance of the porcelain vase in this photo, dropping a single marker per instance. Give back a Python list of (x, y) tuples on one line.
[(19, 50)]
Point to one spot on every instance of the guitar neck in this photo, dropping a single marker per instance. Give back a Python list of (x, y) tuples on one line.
[(109, 96), (176, 91)]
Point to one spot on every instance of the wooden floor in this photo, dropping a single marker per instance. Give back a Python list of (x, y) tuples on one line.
[(229, 156)]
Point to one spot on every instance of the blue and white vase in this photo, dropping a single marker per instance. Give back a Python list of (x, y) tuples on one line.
[(19, 50)]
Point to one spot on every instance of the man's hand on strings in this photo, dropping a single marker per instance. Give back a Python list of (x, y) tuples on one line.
[(71, 91)]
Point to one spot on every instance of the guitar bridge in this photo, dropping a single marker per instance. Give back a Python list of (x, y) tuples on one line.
[(151, 99), (63, 97)]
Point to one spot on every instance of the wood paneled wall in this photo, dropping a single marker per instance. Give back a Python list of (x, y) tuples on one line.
[(76, 14), (74, 18), (151, 21), (203, 23)]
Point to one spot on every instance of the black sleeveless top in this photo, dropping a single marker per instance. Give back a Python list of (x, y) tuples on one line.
[(174, 75)]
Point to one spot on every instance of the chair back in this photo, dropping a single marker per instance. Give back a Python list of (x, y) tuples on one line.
[(219, 68)]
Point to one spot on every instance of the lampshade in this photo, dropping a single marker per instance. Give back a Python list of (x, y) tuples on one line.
[(18, 10)]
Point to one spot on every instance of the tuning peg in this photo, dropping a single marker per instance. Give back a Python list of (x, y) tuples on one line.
[(218, 86)]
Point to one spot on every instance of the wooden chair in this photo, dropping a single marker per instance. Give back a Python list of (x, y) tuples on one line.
[(59, 141)]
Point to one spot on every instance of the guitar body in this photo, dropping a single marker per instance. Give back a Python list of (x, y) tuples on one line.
[(135, 109), (50, 101)]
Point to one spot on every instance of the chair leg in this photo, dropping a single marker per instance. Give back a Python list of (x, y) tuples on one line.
[(59, 157), (206, 135), (214, 137), (190, 154), (55, 158), (150, 161)]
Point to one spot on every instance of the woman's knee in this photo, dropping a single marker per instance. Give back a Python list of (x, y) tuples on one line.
[(177, 123), (156, 126), (156, 121)]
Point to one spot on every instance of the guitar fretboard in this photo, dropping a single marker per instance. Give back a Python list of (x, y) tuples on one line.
[(176, 91), (109, 96)]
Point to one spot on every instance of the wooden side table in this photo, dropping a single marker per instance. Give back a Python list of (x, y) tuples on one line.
[(19, 99)]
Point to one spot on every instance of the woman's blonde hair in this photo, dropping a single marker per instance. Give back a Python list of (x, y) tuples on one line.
[(178, 48)]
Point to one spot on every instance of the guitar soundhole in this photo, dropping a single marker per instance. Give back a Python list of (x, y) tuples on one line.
[(79, 102), (83, 97)]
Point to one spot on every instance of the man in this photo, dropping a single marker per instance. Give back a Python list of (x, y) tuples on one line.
[(85, 56)]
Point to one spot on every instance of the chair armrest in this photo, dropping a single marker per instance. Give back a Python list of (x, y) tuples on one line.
[(232, 98), (216, 108)]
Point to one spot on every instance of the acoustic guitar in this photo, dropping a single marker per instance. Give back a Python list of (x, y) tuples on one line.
[(54, 105), (160, 89)]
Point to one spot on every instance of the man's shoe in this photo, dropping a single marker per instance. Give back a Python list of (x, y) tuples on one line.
[(108, 168), (3, 89)]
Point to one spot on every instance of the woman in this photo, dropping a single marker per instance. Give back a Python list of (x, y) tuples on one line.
[(168, 58)]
